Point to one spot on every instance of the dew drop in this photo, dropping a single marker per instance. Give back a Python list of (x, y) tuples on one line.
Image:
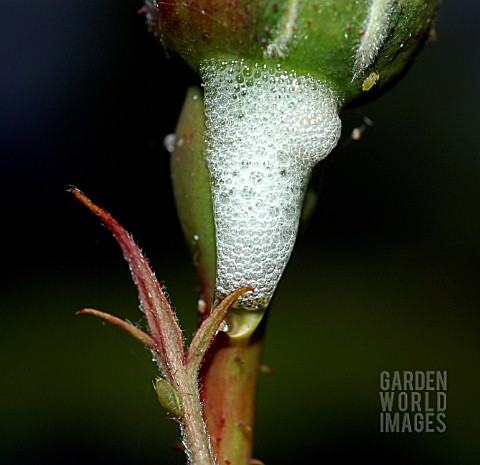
[(169, 142)]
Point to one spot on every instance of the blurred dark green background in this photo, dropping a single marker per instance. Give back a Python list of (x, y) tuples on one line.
[(385, 278)]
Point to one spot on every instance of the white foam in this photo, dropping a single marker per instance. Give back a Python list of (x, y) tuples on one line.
[(266, 130)]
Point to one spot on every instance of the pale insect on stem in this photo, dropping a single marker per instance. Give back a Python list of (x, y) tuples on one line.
[(168, 397)]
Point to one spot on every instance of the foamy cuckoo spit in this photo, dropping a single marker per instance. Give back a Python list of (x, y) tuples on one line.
[(266, 128)]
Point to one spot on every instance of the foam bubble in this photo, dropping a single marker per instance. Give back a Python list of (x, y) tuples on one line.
[(266, 130)]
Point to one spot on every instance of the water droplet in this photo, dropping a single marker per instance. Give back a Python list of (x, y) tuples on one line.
[(169, 142), (223, 327)]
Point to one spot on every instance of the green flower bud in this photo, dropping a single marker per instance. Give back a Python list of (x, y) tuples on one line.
[(341, 42), (276, 75), (345, 42), (202, 29)]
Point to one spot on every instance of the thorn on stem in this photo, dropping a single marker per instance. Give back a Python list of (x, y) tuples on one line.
[(238, 360), (247, 429), (266, 369), (178, 447), (255, 462)]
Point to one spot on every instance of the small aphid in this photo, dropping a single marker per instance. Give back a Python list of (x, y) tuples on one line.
[(168, 397), (371, 80)]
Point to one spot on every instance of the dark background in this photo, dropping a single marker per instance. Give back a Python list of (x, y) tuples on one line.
[(385, 278)]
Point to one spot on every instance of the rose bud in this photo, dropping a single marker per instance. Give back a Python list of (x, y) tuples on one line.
[(276, 75)]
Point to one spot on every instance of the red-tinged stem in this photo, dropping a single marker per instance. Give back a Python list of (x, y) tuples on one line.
[(229, 384), (194, 435), (198, 447)]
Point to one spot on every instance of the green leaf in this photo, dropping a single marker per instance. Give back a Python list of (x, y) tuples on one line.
[(208, 329), (162, 322), (137, 333)]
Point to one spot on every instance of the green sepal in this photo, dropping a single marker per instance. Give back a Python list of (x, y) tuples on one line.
[(209, 328), (191, 188), (328, 34)]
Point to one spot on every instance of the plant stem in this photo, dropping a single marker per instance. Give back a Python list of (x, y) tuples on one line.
[(195, 437), (229, 379)]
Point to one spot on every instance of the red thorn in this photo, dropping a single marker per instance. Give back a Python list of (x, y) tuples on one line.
[(238, 360), (255, 462), (178, 447), (247, 429)]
